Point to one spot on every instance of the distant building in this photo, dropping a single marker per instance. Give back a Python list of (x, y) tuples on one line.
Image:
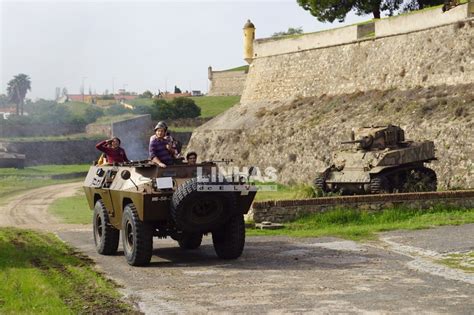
[(196, 93)]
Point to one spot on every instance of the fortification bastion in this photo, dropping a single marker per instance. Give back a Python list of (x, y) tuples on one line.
[(297, 106)]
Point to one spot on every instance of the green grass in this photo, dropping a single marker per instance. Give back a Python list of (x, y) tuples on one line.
[(77, 108), (214, 105), (355, 224), (111, 119), (463, 261), (76, 136), (181, 129), (72, 210), (39, 274), (210, 105), (141, 101), (285, 192), (241, 68), (15, 181)]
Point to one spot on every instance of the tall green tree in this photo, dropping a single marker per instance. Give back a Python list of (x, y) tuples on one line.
[(17, 89), (330, 10)]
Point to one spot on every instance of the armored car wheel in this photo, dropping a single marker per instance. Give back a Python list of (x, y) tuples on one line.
[(229, 240), (106, 237), (320, 183), (190, 241), (200, 211), (137, 238)]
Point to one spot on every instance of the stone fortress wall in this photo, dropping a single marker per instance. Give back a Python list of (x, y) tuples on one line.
[(226, 83), (303, 95), (406, 54)]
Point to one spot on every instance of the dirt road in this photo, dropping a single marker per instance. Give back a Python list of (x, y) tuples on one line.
[(290, 275)]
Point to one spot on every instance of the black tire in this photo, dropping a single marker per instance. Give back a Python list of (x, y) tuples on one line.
[(430, 179), (320, 183), (198, 211), (106, 237), (379, 185), (229, 240), (190, 241), (137, 238)]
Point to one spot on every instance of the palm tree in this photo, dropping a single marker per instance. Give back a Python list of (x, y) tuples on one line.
[(17, 89)]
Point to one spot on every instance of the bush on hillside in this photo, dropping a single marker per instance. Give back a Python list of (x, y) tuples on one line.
[(180, 107), (117, 109)]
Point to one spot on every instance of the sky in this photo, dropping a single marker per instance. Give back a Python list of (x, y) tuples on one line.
[(136, 45)]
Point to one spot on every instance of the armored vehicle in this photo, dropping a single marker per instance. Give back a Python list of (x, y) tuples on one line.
[(382, 162), (11, 159), (139, 200)]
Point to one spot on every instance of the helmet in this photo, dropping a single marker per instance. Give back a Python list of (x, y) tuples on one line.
[(161, 124)]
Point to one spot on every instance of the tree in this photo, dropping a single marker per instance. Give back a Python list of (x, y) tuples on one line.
[(330, 10), (177, 90), (147, 94), (17, 89), (290, 31), (180, 107), (185, 108)]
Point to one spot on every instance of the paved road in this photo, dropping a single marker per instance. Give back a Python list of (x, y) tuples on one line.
[(279, 274)]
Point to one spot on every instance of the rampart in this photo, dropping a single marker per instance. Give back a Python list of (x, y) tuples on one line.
[(338, 61), (225, 83), (300, 101)]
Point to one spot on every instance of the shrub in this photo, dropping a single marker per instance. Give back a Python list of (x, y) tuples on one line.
[(117, 109), (180, 107)]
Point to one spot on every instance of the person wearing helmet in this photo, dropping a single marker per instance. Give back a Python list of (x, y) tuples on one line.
[(160, 148), (114, 153)]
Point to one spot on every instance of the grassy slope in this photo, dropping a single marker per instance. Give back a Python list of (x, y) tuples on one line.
[(356, 225), (214, 105), (41, 274), (72, 210), (16, 181), (210, 105)]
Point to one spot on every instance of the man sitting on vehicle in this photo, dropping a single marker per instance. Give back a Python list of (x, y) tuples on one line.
[(114, 153), (191, 158), (160, 148)]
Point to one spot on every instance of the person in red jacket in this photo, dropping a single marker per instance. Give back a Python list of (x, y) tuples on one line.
[(113, 151)]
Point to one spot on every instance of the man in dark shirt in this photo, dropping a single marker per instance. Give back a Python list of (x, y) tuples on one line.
[(160, 148), (113, 151)]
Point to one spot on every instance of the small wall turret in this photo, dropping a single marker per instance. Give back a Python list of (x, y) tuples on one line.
[(249, 36)]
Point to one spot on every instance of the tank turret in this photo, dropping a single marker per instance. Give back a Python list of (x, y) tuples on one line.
[(382, 162), (378, 137)]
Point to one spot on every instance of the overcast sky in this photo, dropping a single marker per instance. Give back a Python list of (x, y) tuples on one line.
[(146, 45)]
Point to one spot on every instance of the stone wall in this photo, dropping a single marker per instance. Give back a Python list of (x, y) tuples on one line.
[(423, 19), (225, 83), (55, 152), (441, 55), (135, 135), (290, 210), (99, 129)]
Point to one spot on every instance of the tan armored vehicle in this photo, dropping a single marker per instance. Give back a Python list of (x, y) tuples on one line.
[(382, 162), (139, 200)]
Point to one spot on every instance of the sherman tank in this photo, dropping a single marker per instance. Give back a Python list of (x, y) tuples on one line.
[(380, 161), (139, 200)]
